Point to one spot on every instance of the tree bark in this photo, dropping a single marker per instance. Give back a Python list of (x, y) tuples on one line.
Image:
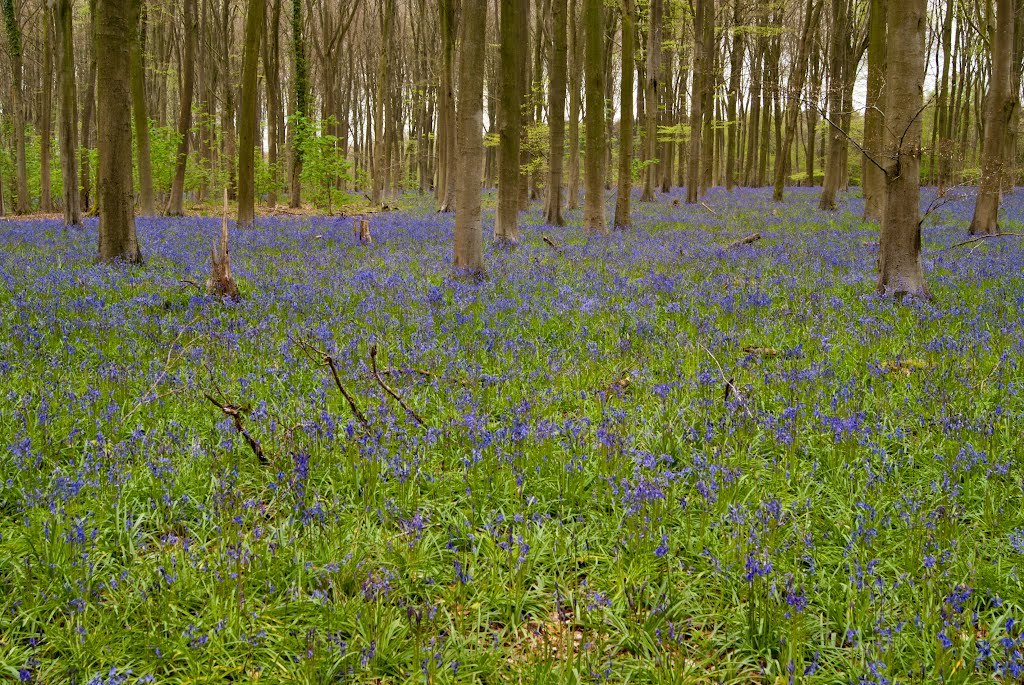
[(46, 113), (735, 72), (140, 113), (575, 74), (652, 97), (302, 109), (837, 137), (794, 102), (469, 238), (88, 107), (1001, 103), (874, 117), (117, 239), (271, 71), (556, 116), (513, 16), (446, 142), (696, 103), (622, 214), (900, 270), (249, 114), (68, 113), (593, 208), (22, 201), (176, 202)]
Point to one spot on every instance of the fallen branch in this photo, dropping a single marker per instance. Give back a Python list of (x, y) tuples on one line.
[(328, 360), (235, 413), (388, 390), (707, 207), (419, 372), (729, 383), (978, 239), (551, 243), (752, 238)]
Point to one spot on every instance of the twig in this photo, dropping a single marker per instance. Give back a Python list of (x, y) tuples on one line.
[(978, 239), (388, 390), (728, 382), (551, 243), (419, 372), (236, 417), (752, 238), (187, 281), (329, 361), (708, 207)]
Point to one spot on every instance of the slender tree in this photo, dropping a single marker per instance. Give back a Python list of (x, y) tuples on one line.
[(297, 131), (874, 117), (514, 15), (1001, 103), (248, 116), (593, 27), (46, 111), (651, 97), (176, 202), (622, 214), (117, 239), (68, 113), (140, 110), (469, 238), (12, 26), (387, 20), (836, 86), (735, 73), (697, 101), (794, 102), (575, 76), (556, 102), (900, 269)]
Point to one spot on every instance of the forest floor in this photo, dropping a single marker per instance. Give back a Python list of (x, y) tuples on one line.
[(648, 457)]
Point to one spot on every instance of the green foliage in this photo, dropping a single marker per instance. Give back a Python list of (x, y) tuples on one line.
[(324, 167)]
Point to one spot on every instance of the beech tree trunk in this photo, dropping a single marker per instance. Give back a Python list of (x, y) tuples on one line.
[(117, 239), (302, 109), (837, 136), (556, 102), (900, 270), (874, 117), (514, 15), (1000, 105), (469, 237), (176, 202), (248, 119), (271, 71), (696, 103), (575, 74), (22, 201), (651, 98), (593, 208), (794, 102), (68, 113), (622, 214), (46, 113), (446, 107), (140, 111), (735, 69), (88, 107)]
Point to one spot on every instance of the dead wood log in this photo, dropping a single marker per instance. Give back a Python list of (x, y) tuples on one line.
[(221, 282)]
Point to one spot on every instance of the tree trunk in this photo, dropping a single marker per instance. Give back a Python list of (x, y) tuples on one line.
[(556, 115), (140, 113), (696, 102), (68, 113), (652, 97), (735, 69), (874, 117), (514, 14), (900, 270), (229, 149), (117, 239), (1001, 103), (794, 101), (271, 71), (837, 139), (249, 114), (302, 110), (446, 142), (46, 113), (176, 203), (593, 208), (22, 202), (469, 237), (622, 217), (88, 107), (575, 74)]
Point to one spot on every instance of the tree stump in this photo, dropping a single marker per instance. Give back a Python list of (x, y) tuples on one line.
[(364, 232), (221, 283)]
